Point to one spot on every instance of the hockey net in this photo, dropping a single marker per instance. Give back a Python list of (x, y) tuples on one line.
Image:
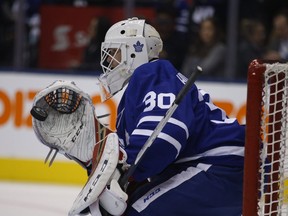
[(266, 149)]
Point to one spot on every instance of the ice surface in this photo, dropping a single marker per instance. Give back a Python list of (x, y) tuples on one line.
[(33, 199)]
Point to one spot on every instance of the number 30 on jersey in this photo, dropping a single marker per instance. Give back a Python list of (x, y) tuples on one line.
[(161, 100)]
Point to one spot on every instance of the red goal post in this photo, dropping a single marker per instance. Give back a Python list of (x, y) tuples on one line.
[(265, 188)]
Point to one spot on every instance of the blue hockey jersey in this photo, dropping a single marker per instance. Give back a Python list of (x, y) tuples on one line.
[(198, 131)]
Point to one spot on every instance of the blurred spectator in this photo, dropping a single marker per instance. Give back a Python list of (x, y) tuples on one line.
[(9, 17), (92, 53), (33, 28), (208, 50), (59, 2), (252, 44), (182, 23), (278, 43), (7, 31), (174, 43), (203, 9)]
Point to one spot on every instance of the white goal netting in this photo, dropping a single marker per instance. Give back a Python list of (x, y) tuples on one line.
[(273, 172)]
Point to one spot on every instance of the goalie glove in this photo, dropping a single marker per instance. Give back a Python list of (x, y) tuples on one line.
[(63, 118), (65, 121)]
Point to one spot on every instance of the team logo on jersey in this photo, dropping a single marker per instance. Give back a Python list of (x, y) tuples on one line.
[(138, 46), (150, 195)]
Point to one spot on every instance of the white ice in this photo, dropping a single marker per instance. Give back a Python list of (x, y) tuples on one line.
[(33, 199)]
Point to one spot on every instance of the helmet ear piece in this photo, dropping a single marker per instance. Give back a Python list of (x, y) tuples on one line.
[(153, 41)]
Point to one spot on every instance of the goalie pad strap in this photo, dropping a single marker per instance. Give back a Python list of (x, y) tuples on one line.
[(99, 177), (95, 209), (113, 199)]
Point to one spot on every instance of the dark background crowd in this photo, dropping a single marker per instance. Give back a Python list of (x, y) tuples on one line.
[(222, 36)]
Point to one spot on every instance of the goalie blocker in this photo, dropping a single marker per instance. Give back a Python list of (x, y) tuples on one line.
[(64, 120)]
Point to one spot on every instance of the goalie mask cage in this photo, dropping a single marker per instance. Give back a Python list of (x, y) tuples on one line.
[(265, 190)]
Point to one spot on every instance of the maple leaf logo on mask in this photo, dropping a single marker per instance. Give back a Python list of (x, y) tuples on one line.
[(138, 46)]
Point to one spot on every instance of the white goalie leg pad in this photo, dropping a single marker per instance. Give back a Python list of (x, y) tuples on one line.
[(99, 177), (113, 199)]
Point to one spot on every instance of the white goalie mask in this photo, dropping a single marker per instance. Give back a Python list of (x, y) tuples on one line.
[(127, 45)]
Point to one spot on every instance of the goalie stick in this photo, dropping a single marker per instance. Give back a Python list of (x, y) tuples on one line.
[(123, 181)]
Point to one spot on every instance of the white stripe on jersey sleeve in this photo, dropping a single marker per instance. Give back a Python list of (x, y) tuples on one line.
[(226, 121), (202, 93), (159, 118), (211, 105), (168, 185), (163, 136), (220, 151)]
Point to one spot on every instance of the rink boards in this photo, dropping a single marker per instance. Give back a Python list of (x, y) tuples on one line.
[(22, 155)]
